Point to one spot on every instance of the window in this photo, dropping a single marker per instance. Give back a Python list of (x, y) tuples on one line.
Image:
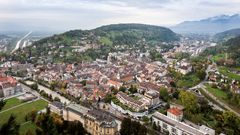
[(165, 126), (174, 130)]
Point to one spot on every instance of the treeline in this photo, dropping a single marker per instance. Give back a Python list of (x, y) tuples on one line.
[(47, 124)]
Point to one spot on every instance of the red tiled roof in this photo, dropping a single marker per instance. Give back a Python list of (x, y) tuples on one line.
[(175, 111)]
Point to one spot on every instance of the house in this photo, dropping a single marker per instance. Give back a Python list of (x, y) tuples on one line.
[(152, 97), (114, 83), (129, 101), (146, 86), (175, 113)]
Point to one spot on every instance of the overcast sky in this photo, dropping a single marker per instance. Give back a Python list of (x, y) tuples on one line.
[(88, 14)]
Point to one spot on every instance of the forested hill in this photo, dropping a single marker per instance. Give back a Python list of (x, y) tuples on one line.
[(117, 32), (234, 49), (226, 35), (227, 53), (78, 45)]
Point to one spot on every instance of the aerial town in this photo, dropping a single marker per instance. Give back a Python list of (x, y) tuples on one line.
[(119, 67)]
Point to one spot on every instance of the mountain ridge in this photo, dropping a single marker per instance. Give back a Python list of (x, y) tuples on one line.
[(209, 25), (226, 35)]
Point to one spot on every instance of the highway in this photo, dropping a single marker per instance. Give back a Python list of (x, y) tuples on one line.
[(19, 42)]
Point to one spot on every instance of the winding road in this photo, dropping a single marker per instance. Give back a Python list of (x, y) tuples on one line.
[(202, 86)]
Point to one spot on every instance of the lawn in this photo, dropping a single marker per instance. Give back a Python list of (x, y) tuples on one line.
[(11, 103), (217, 92), (226, 72), (219, 56), (188, 81), (21, 111)]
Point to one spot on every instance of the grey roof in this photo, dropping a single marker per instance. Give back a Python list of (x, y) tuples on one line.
[(57, 104), (179, 125), (103, 117), (78, 109)]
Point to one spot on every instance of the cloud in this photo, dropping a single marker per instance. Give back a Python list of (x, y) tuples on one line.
[(87, 14)]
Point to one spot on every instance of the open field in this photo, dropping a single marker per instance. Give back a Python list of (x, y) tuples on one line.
[(217, 92), (219, 56), (188, 81), (226, 72), (21, 111), (222, 96), (11, 103)]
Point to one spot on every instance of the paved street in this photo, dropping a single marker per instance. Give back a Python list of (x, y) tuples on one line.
[(52, 93)]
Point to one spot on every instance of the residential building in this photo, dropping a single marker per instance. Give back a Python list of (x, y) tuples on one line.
[(174, 127), (9, 86), (129, 101)]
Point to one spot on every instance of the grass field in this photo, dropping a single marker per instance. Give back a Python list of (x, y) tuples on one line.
[(217, 92), (20, 113), (226, 72), (219, 56), (188, 81), (11, 103)]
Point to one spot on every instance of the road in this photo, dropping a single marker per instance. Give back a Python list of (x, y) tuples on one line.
[(19, 42), (50, 92), (202, 86), (218, 101), (28, 89)]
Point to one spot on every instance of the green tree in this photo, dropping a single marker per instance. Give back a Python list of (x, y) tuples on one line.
[(108, 98), (164, 94), (11, 127), (57, 99), (31, 116), (123, 89), (189, 101), (126, 127), (34, 86), (132, 89), (2, 104), (129, 127)]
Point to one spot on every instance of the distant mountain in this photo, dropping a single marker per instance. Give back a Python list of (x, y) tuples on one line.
[(226, 35), (3, 36), (78, 45), (210, 25)]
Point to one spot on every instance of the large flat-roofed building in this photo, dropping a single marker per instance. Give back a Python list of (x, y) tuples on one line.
[(98, 122), (75, 112), (175, 127)]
